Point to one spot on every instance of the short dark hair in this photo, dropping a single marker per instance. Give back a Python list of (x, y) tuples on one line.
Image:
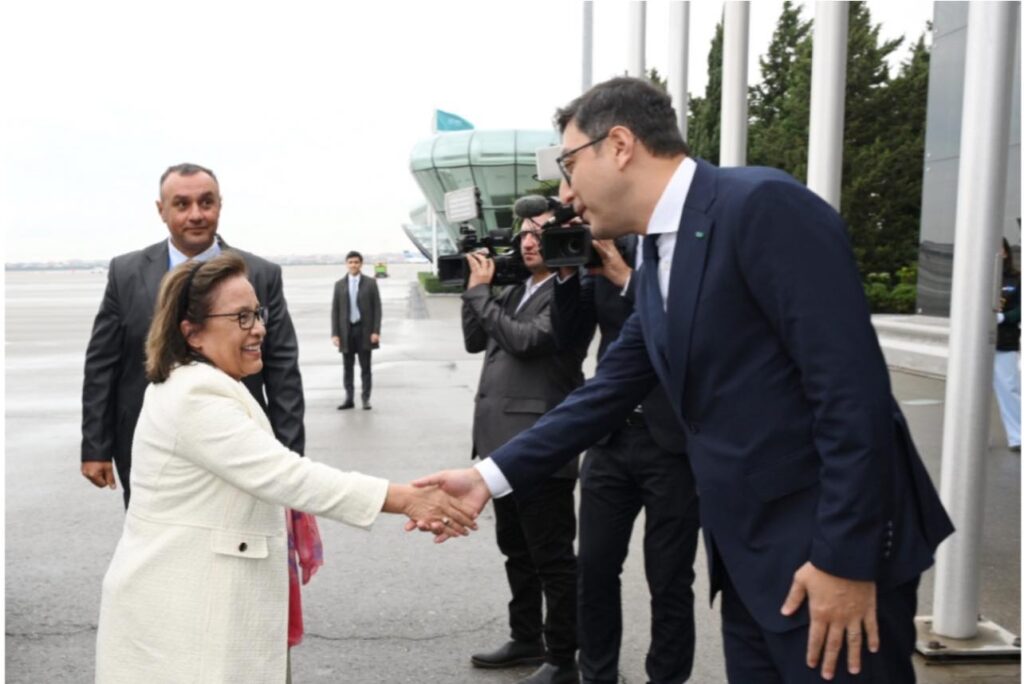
[(186, 169), (354, 255), (186, 293), (637, 104)]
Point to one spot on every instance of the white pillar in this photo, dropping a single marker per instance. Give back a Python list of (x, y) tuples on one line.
[(432, 220), (678, 51), (636, 44), (733, 151), (588, 46), (828, 100), (991, 28)]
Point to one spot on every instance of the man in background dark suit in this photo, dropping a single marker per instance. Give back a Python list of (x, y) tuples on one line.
[(640, 464), (115, 381), (355, 326), (525, 374), (818, 514)]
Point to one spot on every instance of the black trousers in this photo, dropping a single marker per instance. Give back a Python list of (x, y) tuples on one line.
[(756, 655), (536, 533), (355, 348), (617, 479)]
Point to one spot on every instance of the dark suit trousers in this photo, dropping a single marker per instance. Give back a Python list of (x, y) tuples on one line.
[(535, 533), (755, 655), (617, 479), (355, 348)]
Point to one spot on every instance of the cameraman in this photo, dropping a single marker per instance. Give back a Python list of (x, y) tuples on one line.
[(525, 373), (640, 464)]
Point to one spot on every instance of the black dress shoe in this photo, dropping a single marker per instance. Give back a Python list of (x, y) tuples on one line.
[(347, 405), (366, 405), (511, 654), (553, 674)]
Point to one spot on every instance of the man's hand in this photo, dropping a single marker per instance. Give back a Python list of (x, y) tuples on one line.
[(466, 484), (431, 510), (336, 341), (100, 473), (481, 269), (613, 266), (841, 611), (374, 338)]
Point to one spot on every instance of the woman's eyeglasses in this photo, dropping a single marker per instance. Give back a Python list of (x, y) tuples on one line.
[(246, 319)]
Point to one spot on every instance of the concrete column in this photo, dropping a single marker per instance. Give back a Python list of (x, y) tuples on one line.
[(734, 84), (991, 34), (636, 43), (588, 46), (432, 220), (828, 100), (678, 52)]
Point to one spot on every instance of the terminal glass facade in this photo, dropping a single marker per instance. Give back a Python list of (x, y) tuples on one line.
[(501, 163)]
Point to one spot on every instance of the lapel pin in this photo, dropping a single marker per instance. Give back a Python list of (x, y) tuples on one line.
[(699, 234)]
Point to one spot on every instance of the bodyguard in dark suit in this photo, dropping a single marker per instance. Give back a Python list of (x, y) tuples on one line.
[(750, 312), (115, 379), (640, 464), (525, 374), (355, 326)]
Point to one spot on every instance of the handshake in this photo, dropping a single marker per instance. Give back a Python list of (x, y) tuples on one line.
[(445, 504)]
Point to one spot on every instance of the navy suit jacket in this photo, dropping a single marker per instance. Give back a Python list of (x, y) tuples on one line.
[(770, 361)]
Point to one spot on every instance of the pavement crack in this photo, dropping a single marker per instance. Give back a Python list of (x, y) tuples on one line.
[(36, 634), (395, 637)]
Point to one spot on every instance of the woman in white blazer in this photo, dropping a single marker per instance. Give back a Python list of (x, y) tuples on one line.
[(197, 590)]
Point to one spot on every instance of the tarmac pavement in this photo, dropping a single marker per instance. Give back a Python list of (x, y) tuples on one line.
[(387, 606)]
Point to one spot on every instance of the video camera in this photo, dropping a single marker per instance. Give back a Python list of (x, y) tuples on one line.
[(560, 244), (461, 206)]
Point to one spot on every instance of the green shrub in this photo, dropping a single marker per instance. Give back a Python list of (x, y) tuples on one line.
[(878, 295), (903, 298), (430, 283)]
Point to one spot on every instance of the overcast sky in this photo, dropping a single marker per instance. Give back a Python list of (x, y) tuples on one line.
[(307, 112)]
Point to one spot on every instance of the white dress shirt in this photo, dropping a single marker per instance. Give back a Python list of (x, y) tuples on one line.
[(176, 257), (531, 287), (665, 223), (668, 212)]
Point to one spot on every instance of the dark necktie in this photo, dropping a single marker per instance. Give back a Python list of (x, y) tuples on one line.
[(651, 249)]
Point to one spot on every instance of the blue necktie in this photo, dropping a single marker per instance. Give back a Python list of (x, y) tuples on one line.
[(353, 302), (651, 249)]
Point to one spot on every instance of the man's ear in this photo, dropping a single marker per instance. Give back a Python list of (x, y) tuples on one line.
[(623, 145), (160, 208)]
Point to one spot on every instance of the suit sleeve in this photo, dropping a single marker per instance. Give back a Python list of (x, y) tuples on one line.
[(573, 312), (217, 433), (375, 309), (473, 335), (102, 371), (523, 338), (624, 377), (795, 258), (336, 312), (283, 383)]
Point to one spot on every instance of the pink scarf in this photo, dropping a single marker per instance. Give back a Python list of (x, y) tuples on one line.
[(305, 550)]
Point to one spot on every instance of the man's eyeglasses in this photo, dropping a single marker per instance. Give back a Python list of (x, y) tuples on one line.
[(567, 171), (246, 319)]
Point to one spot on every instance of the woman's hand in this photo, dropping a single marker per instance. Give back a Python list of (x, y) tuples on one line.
[(431, 510)]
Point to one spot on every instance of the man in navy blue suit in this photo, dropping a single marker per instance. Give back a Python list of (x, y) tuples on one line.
[(818, 514)]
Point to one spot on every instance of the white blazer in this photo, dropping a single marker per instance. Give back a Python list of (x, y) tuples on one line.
[(197, 590)]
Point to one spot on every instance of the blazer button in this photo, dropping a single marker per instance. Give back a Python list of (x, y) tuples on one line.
[(694, 427), (243, 546)]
